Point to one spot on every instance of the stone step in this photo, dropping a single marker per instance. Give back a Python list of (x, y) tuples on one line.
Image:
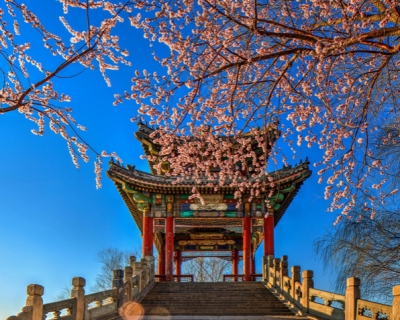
[(213, 300)]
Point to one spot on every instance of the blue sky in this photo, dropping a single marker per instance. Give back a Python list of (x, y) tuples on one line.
[(53, 221)]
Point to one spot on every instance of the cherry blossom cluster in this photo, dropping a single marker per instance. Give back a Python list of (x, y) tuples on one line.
[(326, 70), (28, 85)]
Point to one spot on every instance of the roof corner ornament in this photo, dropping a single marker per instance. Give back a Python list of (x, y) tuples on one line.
[(130, 168)]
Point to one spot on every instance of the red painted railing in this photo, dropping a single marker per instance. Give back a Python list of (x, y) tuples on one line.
[(175, 278), (240, 277)]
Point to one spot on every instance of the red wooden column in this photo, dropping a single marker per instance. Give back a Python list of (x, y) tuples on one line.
[(253, 266), (269, 234), (235, 261), (169, 247), (247, 247), (178, 262), (147, 234), (161, 262)]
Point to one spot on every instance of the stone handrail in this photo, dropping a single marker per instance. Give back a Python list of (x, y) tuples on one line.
[(69, 305), (327, 310), (128, 286), (301, 296), (100, 303), (376, 310)]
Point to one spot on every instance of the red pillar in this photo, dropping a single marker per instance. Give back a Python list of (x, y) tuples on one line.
[(269, 234), (147, 236), (235, 261), (178, 261), (161, 262), (169, 247), (253, 266), (247, 247)]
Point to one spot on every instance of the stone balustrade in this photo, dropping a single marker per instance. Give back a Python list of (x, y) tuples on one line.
[(130, 284), (304, 299)]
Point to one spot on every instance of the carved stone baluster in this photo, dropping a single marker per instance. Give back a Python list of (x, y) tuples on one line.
[(56, 314), (328, 302), (98, 303)]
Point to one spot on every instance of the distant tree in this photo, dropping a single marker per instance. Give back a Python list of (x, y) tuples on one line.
[(65, 293), (365, 248), (206, 269), (111, 259)]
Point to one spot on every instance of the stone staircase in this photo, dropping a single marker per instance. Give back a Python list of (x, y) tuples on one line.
[(218, 300)]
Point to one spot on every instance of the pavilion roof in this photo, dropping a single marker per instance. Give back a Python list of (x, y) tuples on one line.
[(142, 181), (152, 149)]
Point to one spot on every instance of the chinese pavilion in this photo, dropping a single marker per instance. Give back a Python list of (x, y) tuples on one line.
[(181, 228)]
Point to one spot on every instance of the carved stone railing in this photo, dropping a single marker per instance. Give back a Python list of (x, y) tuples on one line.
[(65, 309), (305, 300), (367, 310), (131, 284), (327, 310)]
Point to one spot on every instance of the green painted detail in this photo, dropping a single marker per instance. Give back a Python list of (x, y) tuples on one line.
[(277, 206), (276, 198), (137, 195), (153, 199), (163, 199), (187, 214), (143, 199), (279, 197), (288, 189), (184, 196), (140, 197), (230, 214), (229, 196), (143, 206), (127, 188)]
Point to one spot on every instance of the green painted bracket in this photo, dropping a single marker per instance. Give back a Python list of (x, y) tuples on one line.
[(279, 197), (142, 199)]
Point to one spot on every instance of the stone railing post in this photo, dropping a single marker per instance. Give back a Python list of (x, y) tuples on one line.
[(352, 295), (295, 278), (150, 263), (145, 270), (128, 284), (138, 272), (276, 273), (35, 300), (283, 272), (78, 292), (264, 263), (308, 283), (132, 261), (118, 283), (396, 303), (270, 266)]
